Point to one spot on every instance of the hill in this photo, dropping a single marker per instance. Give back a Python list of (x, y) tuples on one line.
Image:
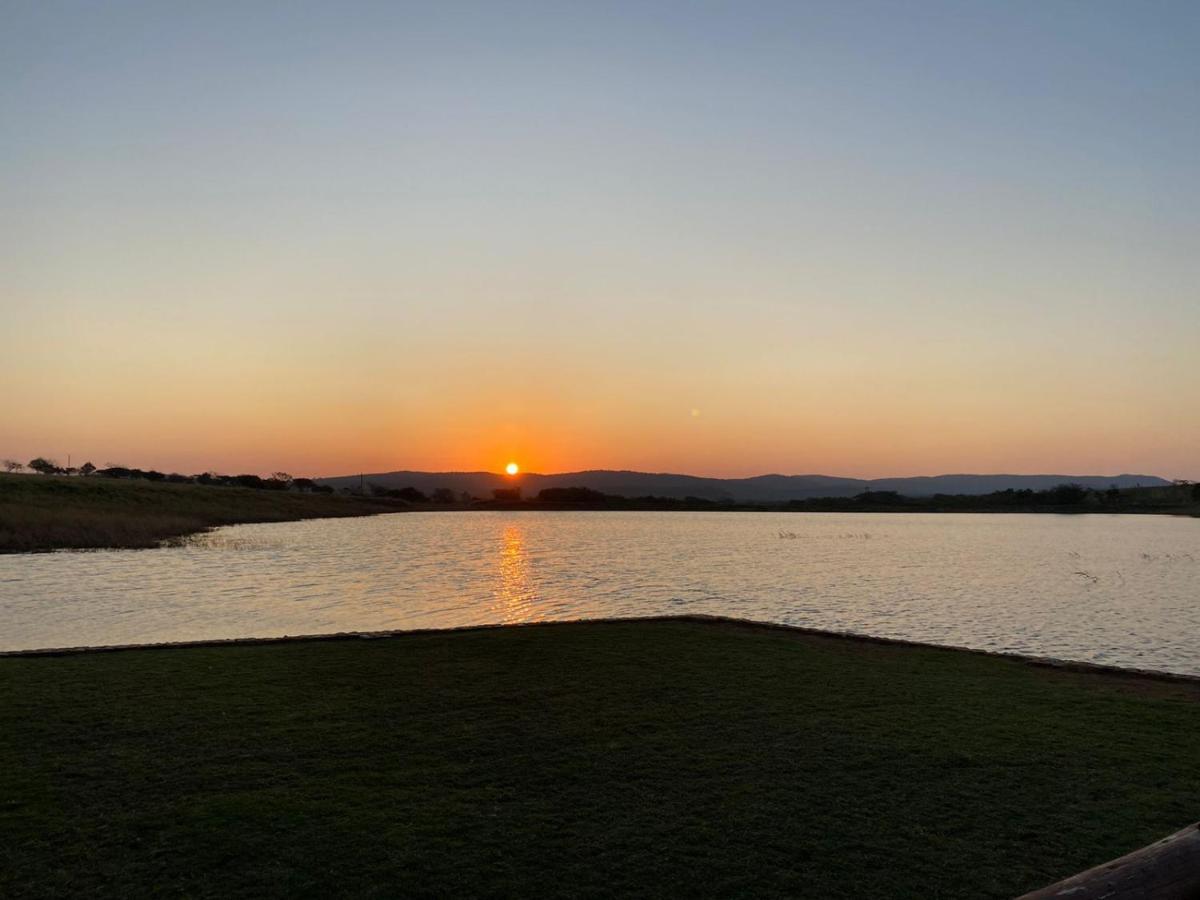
[(758, 489)]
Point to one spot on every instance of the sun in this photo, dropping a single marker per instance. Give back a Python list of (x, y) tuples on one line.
[(512, 468)]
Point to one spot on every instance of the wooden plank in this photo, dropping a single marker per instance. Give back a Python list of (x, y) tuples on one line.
[(1166, 870)]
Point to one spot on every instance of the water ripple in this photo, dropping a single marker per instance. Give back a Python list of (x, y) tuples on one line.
[(1114, 589)]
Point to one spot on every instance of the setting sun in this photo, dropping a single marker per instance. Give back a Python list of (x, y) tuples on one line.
[(512, 468)]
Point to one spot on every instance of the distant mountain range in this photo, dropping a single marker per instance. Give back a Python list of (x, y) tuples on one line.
[(759, 489)]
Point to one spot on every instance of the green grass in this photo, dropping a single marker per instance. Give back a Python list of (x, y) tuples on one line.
[(40, 512), (648, 758)]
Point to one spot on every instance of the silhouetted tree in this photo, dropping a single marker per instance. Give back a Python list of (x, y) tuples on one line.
[(11, 465), (1067, 494), (443, 495), (507, 493), (571, 495), (86, 469), (880, 498), (407, 494), (303, 484), (44, 466), (465, 497)]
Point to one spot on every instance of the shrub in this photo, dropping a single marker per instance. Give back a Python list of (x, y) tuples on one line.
[(1067, 494), (572, 495), (880, 498)]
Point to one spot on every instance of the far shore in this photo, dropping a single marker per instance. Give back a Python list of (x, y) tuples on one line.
[(59, 512)]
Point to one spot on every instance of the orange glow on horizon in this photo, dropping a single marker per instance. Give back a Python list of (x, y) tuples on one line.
[(512, 468)]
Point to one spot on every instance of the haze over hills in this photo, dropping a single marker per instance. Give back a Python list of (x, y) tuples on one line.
[(758, 489)]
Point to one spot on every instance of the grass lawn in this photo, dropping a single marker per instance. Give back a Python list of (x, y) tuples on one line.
[(653, 758), (50, 512)]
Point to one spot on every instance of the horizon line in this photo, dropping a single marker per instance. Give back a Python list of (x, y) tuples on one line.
[(960, 474)]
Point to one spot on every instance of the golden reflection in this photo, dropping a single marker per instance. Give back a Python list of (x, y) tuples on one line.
[(514, 586)]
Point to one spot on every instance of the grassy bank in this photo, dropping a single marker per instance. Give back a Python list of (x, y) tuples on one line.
[(653, 758), (48, 512)]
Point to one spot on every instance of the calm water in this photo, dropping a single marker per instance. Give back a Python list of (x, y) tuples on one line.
[(1118, 590)]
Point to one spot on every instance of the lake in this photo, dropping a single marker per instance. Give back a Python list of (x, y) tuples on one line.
[(1119, 590)]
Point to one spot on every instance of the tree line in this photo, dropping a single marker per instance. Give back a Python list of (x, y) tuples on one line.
[(277, 481), (412, 495), (1062, 496)]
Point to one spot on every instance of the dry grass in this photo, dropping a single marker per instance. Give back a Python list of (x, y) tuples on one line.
[(51, 512)]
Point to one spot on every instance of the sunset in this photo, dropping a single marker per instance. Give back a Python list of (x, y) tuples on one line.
[(535, 449), (959, 240)]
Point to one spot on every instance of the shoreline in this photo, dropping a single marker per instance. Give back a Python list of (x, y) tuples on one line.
[(486, 506), (1048, 662), (180, 538), (46, 513)]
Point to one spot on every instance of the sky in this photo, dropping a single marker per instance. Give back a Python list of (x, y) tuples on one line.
[(867, 239)]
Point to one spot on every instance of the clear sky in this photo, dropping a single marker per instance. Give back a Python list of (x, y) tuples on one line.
[(721, 238)]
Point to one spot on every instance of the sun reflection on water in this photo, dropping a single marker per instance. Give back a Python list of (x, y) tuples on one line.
[(514, 596)]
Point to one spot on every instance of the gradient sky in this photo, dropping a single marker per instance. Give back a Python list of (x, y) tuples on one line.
[(720, 238)]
